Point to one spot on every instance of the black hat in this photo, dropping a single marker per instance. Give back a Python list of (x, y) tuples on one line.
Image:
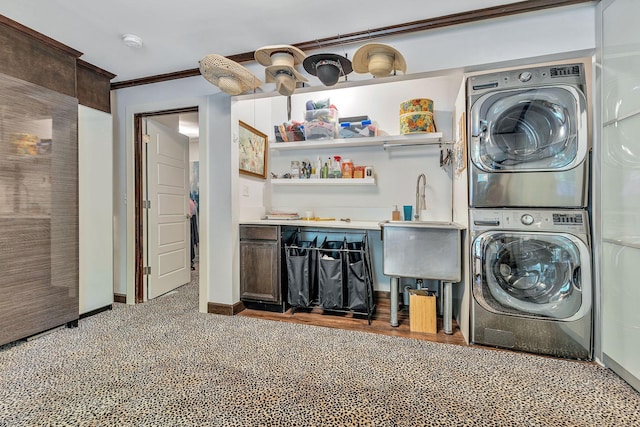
[(328, 67)]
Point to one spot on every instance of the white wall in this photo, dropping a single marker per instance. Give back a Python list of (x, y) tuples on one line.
[(523, 38), (95, 199), (194, 150), (396, 170)]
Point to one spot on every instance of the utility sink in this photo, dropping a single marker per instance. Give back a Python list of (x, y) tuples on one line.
[(422, 249)]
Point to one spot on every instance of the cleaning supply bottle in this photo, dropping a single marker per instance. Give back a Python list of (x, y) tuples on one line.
[(395, 214), (318, 167), (325, 174), (337, 166)]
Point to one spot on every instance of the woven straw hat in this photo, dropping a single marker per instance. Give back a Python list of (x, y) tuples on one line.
[(378, 59), (280, 62), (264, 54), (228, 75)]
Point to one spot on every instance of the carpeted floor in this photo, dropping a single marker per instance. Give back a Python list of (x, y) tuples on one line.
[(164, 364)]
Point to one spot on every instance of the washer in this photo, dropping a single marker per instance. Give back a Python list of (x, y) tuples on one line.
[(528, 138), (531, 281)]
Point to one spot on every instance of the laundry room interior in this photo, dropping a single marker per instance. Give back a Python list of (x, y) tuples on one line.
[(535, 135), (448, 185)]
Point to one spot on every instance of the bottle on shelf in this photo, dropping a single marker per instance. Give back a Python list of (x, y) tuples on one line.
[(303, 170), (337, 167), (318, 167), (325, 171), (395, 214), (347, 168), (295, 169)]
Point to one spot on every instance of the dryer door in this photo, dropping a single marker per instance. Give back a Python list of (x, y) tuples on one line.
[(537, 129), (544, 275)]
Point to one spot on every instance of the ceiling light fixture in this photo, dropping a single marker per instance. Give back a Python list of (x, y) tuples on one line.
[(132, 40)]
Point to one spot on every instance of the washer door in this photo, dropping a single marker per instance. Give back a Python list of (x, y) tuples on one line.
[(537, 129), (532, 274)]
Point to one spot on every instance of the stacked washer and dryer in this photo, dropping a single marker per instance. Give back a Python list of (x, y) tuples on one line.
[(530, 255)]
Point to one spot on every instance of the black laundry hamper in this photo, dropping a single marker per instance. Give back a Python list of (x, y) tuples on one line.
[(330, 275), (359, 286), (301, 272)]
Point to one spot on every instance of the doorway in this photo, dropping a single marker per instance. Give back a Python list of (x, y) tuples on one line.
[(151, 263)]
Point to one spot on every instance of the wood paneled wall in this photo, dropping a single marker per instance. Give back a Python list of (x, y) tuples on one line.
[(93, 86), (36, 58)]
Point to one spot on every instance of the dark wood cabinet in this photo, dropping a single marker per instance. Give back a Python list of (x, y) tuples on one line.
[(261, 284)]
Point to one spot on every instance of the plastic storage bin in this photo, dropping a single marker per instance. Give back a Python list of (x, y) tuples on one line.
[(288, 132), (364, 128), (321, 124)]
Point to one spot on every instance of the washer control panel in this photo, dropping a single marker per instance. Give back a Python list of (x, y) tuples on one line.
[(527, 219), (533, 220)]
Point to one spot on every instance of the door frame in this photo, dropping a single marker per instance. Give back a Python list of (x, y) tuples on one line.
[(138, 179)]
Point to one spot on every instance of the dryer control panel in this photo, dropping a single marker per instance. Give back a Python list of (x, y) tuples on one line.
[(572, 74)]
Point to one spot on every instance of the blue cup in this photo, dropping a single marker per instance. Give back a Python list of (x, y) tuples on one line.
[(408, 211)]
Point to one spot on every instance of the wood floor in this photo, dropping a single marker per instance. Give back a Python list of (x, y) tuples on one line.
[(379, 325)]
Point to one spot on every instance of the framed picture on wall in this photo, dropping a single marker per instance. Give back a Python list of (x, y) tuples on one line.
[(252, 151)]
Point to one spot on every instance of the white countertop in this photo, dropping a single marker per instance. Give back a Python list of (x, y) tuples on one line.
[(353, 224)]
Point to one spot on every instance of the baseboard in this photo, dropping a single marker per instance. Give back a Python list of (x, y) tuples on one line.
[(120, 298), (225, 309), (265, 306), (96, 311), (382, 295), (622, 372)]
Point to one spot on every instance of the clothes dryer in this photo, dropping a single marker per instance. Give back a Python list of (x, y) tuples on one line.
[(528, 138), (531, 281)]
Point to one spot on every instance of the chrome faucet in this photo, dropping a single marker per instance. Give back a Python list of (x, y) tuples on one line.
[(421, 203)]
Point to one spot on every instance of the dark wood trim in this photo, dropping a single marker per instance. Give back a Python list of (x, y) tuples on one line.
[(440, 22), (121, 298), (95, 69), (138, 194), (371, 34), (156, 79), (382, 295), (138, 218), (193, 109), (30, 58), (38, 36), (93, 86), (225, 309)]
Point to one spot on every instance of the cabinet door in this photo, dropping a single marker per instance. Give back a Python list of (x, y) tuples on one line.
[(259, 270), (620, 200)]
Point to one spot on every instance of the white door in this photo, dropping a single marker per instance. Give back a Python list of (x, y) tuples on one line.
[(167, 245), (620, 200)]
